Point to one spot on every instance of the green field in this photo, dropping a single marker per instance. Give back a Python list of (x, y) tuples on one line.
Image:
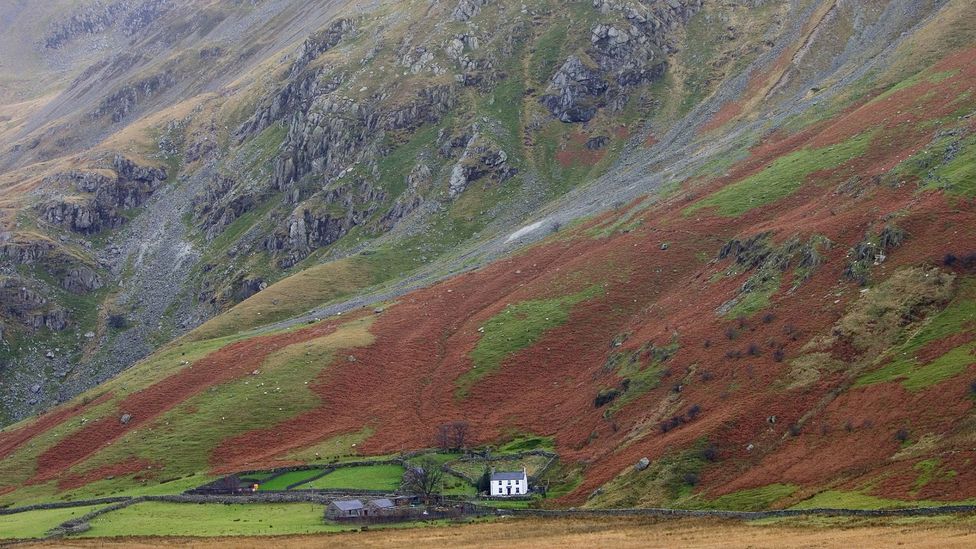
[(518, 326), (34, 524), (781, 178), (282, 482), (180, 519), (367, 477)]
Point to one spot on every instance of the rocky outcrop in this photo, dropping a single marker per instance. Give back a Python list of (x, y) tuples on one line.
[(81, 181), (29, 307), (222, 203), (73, 274), (621, 55), (319, 43), (119, 104), (322, 220), (81, 280), (303, 86), (22, 250), (99, 209), (575, 91), (466, 9), (419, 181), (335, 132), (129, 16), (481, 158)]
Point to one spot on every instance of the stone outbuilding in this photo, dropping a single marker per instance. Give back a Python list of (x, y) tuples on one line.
[(345, 509)]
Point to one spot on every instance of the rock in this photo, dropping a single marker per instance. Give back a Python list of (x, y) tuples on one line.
[(665, 245), (642, 464), (35, 388), (101, 209), (49, 355), (125, 419), (89, 335), (81, 280), (575, 91), (466, 9)]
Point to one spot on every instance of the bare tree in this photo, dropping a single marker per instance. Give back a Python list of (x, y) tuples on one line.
[(423, 479), (452, 436)]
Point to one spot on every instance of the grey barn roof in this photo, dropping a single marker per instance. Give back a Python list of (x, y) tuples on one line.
[(381, 503), (507, 475), (348, 504)]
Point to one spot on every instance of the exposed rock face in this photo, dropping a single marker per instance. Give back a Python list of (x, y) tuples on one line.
[(73, 274), (30, 307), (620, 56), (481, 158), (322, 220), (321, 42), (130, 16), (86, 182), (119, 104), (81, 280), (575, 92), (222, 203), (335, 133), (418, 181), (251, 286), (91, 213), (303, 86), (466, 9)]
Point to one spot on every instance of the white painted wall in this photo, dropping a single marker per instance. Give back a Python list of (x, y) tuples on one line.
[(519, 487)]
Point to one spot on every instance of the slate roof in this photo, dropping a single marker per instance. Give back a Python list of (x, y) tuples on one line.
[(508, 475), (382, 503), (348, 504)]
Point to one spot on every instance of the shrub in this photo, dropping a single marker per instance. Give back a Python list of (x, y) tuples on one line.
[(795, 429), (708, 376), (605, 397), (949, 260), (969, 262), (710, 453), (972, 388), (691, 479), (753, 350), (848, 426), (117, 322), (733, 354), (779, 355), (707, 343), (694, 411), (730, 333), (901, 435), (768, 318), (671, 424)]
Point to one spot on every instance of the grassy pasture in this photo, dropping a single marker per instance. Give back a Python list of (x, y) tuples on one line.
[(33, 524), (370, 477)]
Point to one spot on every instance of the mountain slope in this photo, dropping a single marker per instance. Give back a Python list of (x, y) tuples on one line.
[(751, 262)]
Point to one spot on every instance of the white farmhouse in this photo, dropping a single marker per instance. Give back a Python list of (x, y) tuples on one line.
[(509, 483)]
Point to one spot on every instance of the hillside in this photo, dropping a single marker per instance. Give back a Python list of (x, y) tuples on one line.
[(733, 238)]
